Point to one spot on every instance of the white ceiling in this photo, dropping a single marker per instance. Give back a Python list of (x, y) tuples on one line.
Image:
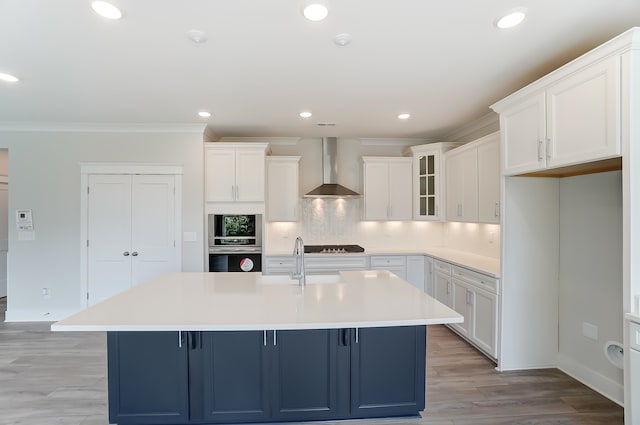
[(443, 61)]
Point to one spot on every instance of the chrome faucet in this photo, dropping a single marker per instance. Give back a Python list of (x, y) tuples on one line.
[(298, 255)]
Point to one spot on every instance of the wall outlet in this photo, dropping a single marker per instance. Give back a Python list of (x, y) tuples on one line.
[(492, 236), (590, 331), (46, 293)]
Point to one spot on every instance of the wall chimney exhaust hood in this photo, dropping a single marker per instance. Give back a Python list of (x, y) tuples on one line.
[(330, 187)]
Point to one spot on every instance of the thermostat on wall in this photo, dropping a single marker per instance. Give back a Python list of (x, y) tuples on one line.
[(24, 220)]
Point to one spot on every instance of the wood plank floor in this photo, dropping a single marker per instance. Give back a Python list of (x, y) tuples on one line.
[(60, 378)]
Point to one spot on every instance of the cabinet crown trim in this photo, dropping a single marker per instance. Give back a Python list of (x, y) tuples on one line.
[(628, 40)]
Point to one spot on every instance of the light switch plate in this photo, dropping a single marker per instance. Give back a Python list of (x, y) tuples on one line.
[(590, 331)]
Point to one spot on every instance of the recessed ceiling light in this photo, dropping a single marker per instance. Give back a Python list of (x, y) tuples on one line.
[(511, 19), (197, 36), (315, 11), (204, 114), (404, 116), (9, 78), (343, 39), (305, 114), (106, 10)]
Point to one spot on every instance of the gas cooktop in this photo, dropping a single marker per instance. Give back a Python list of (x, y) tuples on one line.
[(332, 249)]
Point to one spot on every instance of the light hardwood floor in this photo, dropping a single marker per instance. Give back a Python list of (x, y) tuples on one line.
[(60, 378)]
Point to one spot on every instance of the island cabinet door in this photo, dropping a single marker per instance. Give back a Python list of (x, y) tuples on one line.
[(232, 377), (388, 371), (148, 378), (310, 373)]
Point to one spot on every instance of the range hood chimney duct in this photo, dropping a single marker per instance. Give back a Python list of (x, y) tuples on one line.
[(330, 187)]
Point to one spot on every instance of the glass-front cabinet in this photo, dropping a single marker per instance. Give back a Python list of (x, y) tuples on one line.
[(428, 181)]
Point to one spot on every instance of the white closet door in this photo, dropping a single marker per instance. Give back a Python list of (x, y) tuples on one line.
[(153, 233), (109, 236), (4, 237)]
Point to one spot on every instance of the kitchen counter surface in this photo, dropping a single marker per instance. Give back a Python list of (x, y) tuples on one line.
[(485, 265), (479, 263), (249, 301)]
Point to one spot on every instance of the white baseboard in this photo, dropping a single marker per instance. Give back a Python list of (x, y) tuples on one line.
[(37, 315), (597, 382)]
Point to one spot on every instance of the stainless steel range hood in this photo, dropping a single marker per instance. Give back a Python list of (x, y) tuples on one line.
[(330, 187)]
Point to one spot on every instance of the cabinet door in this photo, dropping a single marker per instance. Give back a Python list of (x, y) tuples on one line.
[(484, 321), (282, 189), (489, 181), (376, 190), (429, 276), (583, 115), (523, 129), (305, 375), (462, 185), (220, 171), (427, 186), (148, 378), (442, 288), (400, 190), (250, 176), (234, 370), (416, 271), (153, 236), (388, 371), (109, 233), (460, 303)]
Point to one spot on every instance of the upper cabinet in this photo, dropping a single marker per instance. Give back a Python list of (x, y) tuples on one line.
[(235, 172), (570, 117), (473, 181), (283, 191), (428, 180), (387, 188)]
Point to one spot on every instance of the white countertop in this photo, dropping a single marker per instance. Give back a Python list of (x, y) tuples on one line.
[(250, 301), (479, 263)]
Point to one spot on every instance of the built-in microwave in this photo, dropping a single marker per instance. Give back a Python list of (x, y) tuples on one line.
[(235, 231)]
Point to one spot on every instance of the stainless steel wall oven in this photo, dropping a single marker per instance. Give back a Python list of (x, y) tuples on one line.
[(235, 242)]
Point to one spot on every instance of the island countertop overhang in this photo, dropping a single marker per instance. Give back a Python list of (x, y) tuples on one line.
[(193, 301)]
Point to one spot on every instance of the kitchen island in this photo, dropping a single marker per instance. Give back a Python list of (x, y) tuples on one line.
[(208, 348)]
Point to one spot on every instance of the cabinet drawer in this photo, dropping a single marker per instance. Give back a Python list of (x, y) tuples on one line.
[(388, 261), (474, 278), (441, 266), (634, 336), (278, 265), (335, 263)]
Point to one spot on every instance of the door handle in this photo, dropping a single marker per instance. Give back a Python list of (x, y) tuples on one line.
[(548, 148), (126, 253), (134, 254), (539, 149)]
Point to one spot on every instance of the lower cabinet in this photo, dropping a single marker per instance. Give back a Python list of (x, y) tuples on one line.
[(387, 371), (148, 378), (265, 376)]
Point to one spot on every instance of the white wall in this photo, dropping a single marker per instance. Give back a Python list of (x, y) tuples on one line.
[(332, 221), (590, 277), (45, 176), (476, 238)]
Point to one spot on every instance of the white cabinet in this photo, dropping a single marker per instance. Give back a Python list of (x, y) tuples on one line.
[(428, 180), (474, 296), (282, 188), (428, 275), (235, 172), (416, 271), (462, 184), (568, 120), (473, 181), (396, 264), (442, 290), (316, 264), (387, 188), (489, 179), (131, 231)]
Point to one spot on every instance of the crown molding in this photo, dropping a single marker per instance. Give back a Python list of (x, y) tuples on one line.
[(270, 140), (75, 127), (373, 141), (484, 125)]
